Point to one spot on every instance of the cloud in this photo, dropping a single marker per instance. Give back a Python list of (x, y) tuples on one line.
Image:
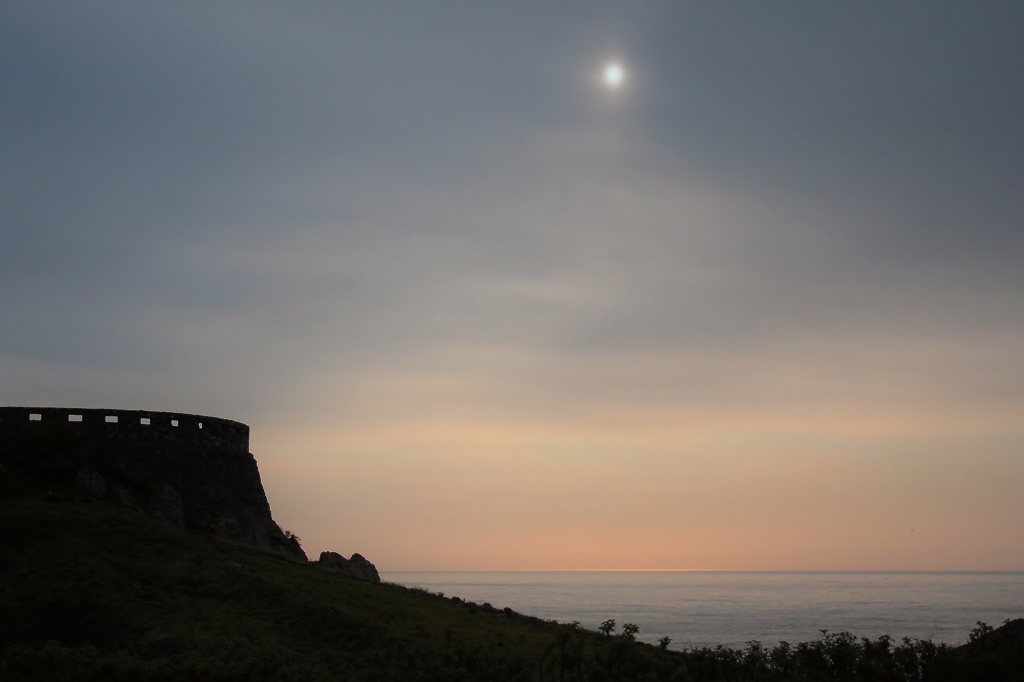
[(419, 233)]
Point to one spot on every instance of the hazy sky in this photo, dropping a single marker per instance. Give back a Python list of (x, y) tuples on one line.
[(761, 307)]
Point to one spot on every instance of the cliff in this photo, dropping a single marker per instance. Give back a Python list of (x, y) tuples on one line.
[(191, 470)]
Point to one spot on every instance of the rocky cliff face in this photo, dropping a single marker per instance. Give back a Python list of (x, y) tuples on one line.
[(193, 471), (357, 566)]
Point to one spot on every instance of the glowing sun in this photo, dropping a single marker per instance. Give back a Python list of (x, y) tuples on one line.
[(613, 75)]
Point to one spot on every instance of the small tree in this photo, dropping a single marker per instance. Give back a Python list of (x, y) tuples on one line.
[(607, 627), (664, 642), (980, 631), (629, 630)]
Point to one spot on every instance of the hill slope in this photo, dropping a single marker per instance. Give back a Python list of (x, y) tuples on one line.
[(95, 591), (121, 591)]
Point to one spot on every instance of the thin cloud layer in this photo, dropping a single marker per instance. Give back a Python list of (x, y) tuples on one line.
[(433, 263)]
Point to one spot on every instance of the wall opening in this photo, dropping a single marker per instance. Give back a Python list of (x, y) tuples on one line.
[(35, 417), (110, 419), (174, 422), (74, 417), (144, 420), (200, 424)]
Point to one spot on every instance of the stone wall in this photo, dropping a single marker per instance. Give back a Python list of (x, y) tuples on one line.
[(135, 425), (191, 470)]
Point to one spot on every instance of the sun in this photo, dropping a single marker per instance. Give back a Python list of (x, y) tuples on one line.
[(613, 74)]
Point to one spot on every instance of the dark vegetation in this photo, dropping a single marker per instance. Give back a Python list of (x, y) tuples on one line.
[(94, 591), (95, 586)]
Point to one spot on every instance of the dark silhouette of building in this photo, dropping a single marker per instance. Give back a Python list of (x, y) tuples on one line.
[(194, 471)]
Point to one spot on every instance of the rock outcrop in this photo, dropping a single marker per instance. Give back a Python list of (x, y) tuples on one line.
[(193, 471), (356, 566)]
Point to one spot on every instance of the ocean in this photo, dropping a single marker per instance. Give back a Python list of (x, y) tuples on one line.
[(707, 608)]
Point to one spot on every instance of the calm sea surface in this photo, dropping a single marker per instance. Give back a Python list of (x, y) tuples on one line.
[(731, 608)]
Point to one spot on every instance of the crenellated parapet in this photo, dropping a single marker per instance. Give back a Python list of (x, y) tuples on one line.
[(131, 425), (192, 470)]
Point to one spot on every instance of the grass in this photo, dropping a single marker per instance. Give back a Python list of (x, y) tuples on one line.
[(95, 591), (95, 575)]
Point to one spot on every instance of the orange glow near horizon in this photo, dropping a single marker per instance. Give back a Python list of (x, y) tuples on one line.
[(602, 487)]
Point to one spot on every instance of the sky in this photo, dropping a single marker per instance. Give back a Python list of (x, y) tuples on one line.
[(759, 307)]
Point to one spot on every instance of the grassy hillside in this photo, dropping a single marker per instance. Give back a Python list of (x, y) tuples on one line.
[(93, 591), (121, 591)]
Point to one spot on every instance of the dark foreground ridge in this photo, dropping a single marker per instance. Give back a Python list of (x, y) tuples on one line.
[(94, 588)]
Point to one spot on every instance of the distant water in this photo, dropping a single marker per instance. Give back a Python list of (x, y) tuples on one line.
[(717, 607)]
